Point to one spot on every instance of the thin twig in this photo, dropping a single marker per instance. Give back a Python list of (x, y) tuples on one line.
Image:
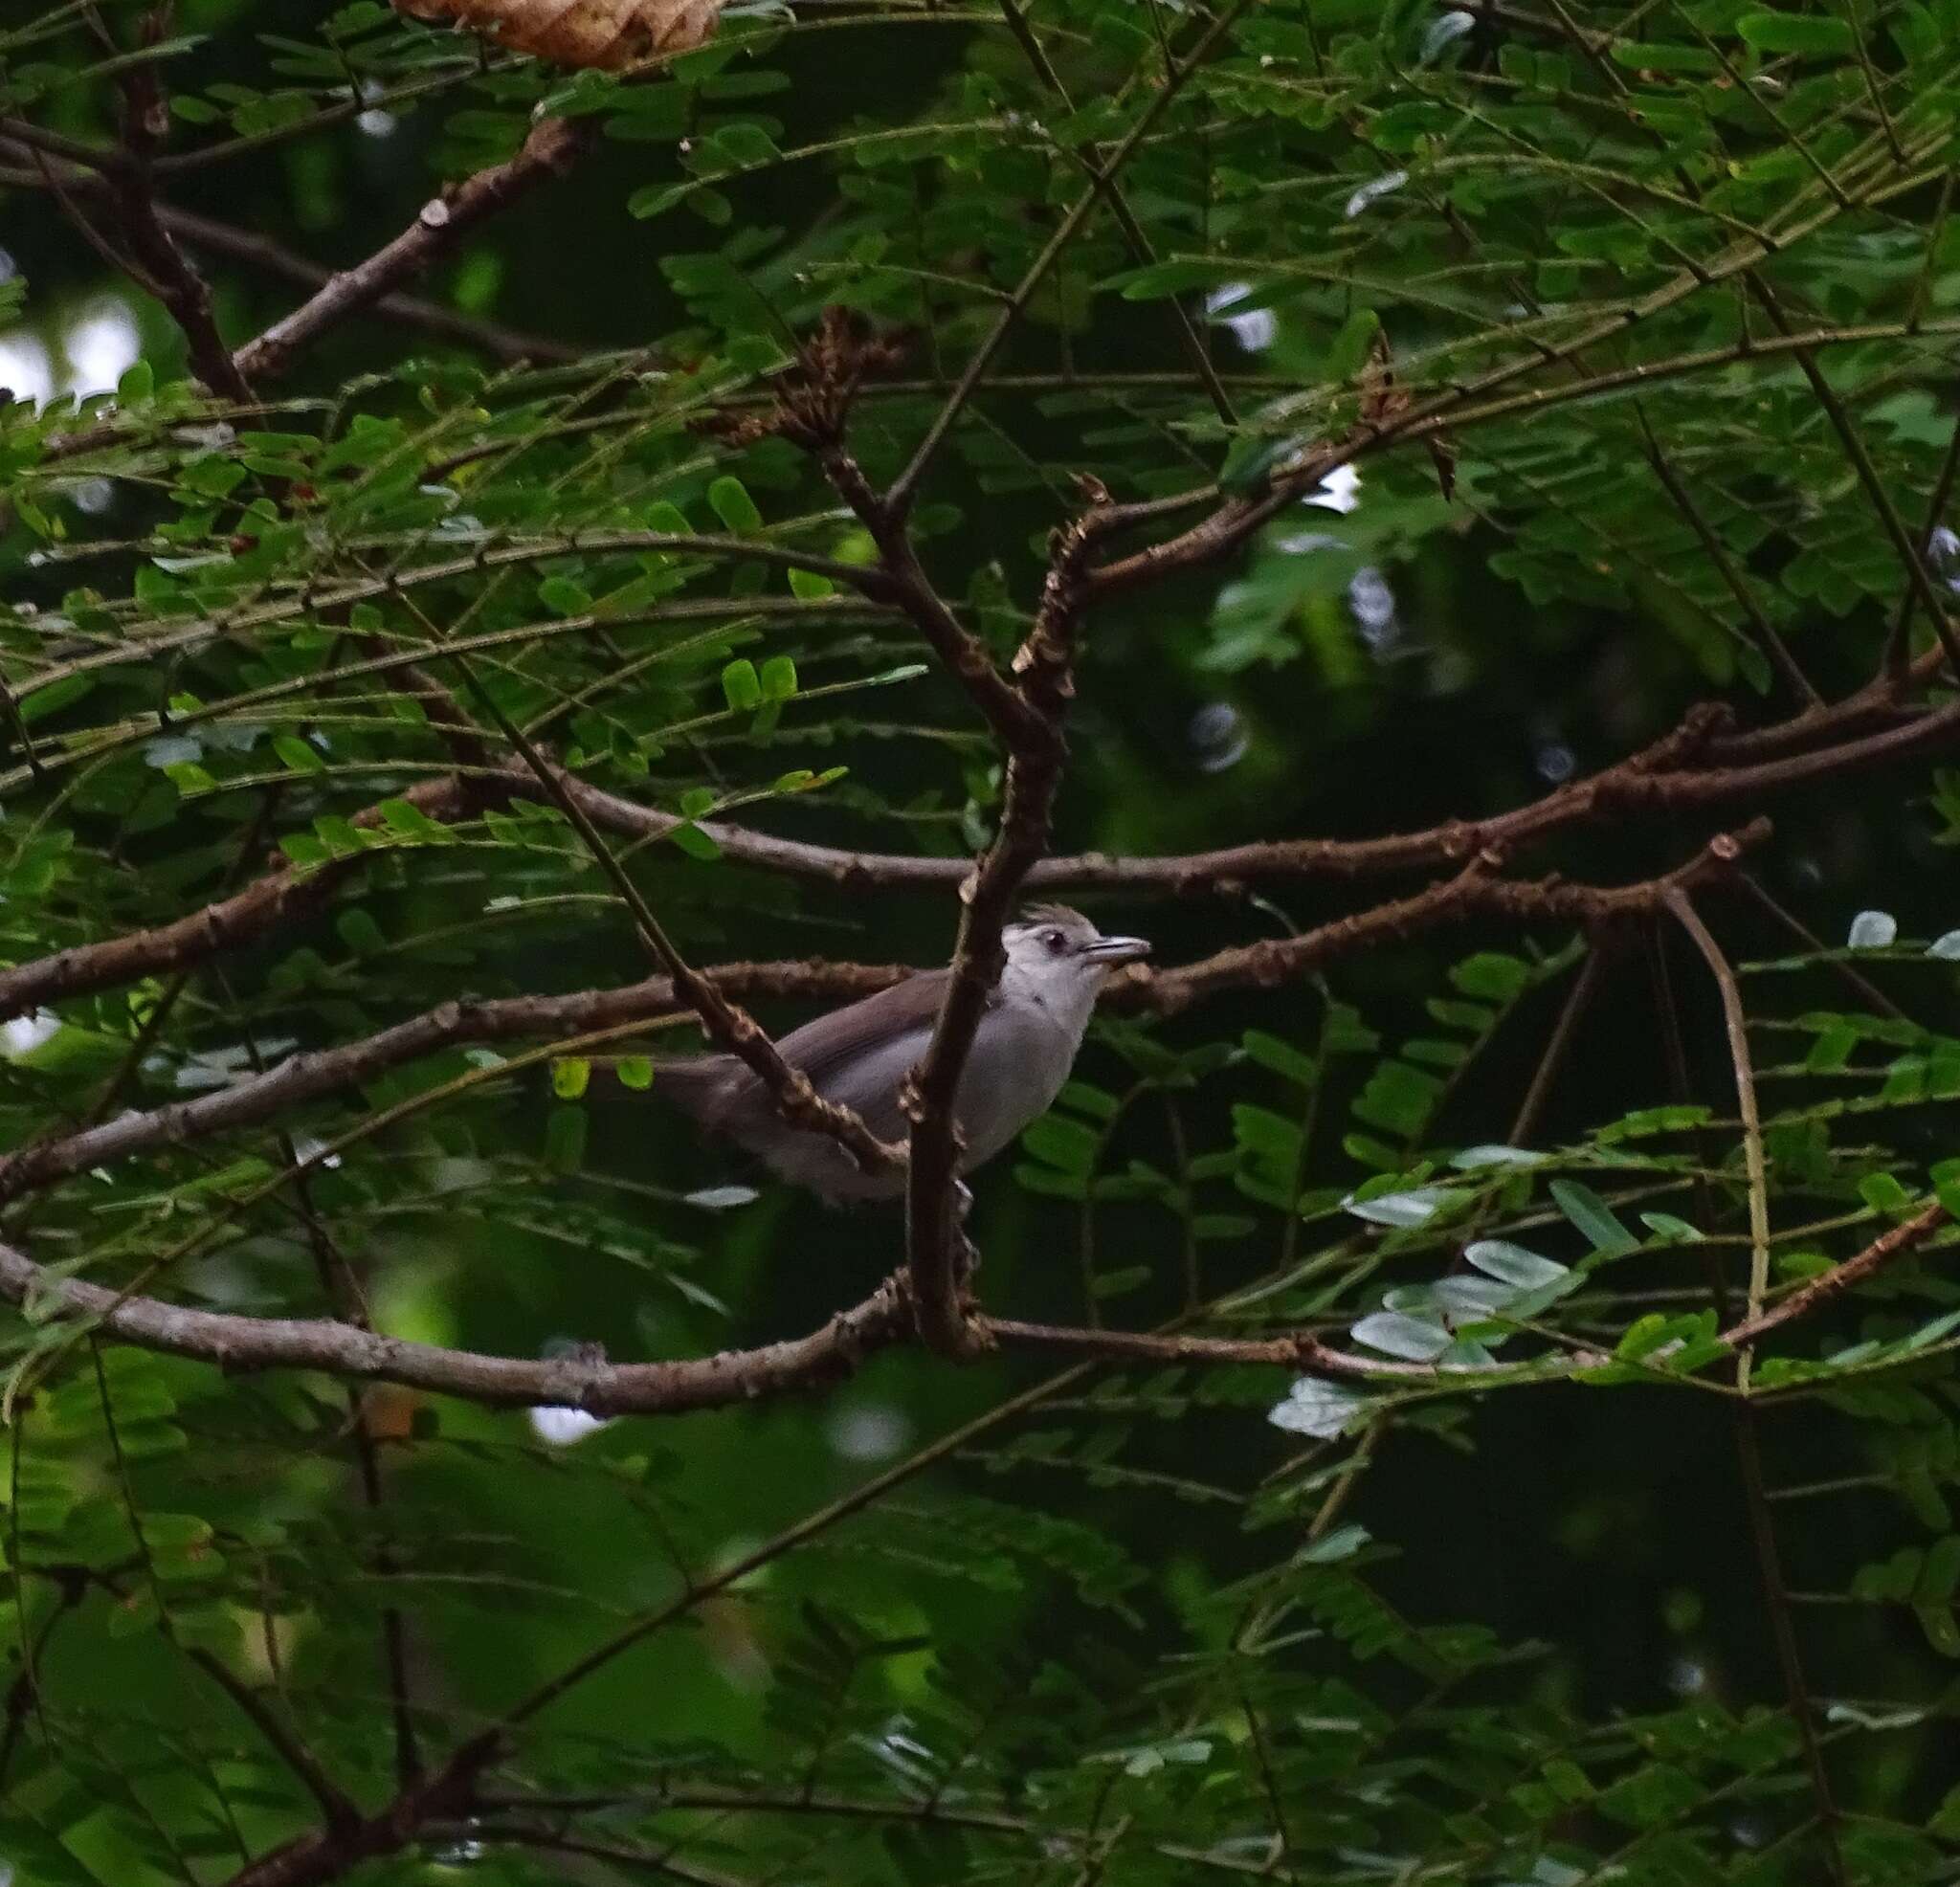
[(548, 151), (1558, 1047), (1736, 1023), (1772, 646), (898, 497), (1889, 1245), (1783, 1629), (1849, 973), (502, 343), (1918, 579), (1140, 245), (336, 1807)]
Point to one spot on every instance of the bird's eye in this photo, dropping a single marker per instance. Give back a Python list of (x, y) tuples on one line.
[(1056, 942)]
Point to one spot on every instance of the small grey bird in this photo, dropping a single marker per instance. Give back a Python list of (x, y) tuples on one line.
[(859, 1056)]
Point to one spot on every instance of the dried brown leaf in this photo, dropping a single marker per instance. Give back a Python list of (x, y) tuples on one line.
[(581, 33)]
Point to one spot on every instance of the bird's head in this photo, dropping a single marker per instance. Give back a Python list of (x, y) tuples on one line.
[(1059, 954)]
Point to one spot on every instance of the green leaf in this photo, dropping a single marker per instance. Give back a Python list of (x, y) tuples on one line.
[(694, 842), (301, 756), (407, 820), (1797, 33), (1400, 1210), (778, 679), (359, 931), (43, 703), (564, 598), (729, 500), (1321, 1409), (1593, 1216), (1282, 1058), (1665, 1225), (740, 687), (1065, 1144), (569, 1076), (1492, 976), (1349, 346)]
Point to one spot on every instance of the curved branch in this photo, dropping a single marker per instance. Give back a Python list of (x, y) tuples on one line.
[(433, 318), (304, 1077), (234, 1342), (1475, 891)]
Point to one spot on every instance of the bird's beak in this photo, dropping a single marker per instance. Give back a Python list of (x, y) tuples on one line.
[(1113, 950)]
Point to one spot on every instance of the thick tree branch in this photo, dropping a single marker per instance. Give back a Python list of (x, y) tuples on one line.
[(302, 1078), (235, 1343), (1044, 680), (149, 253), (1295, 1351), (1665, 777), (327, 1854), (1476, 890)]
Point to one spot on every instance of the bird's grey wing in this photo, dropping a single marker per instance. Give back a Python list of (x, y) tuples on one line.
[(821, 1046), (856, 1057)]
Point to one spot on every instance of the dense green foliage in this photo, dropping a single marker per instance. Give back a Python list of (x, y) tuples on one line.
[(1636, 323)]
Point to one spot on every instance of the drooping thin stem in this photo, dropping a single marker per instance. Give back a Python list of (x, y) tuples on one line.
[(1558, 1047), (1736, 1024)]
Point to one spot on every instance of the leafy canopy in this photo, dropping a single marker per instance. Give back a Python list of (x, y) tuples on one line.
[(1556, 1485)]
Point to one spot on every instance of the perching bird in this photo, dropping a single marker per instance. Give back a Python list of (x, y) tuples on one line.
[(859, 1057)]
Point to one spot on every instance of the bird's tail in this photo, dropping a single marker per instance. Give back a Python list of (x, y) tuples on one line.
[(699, 1085)]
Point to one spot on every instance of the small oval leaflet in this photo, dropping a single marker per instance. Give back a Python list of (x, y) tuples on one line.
[(1318, 1409), (1513, 1264), (1393, 1333), (1946, 947), (1873, 930), (1472, 1158), (1399, 1208)]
